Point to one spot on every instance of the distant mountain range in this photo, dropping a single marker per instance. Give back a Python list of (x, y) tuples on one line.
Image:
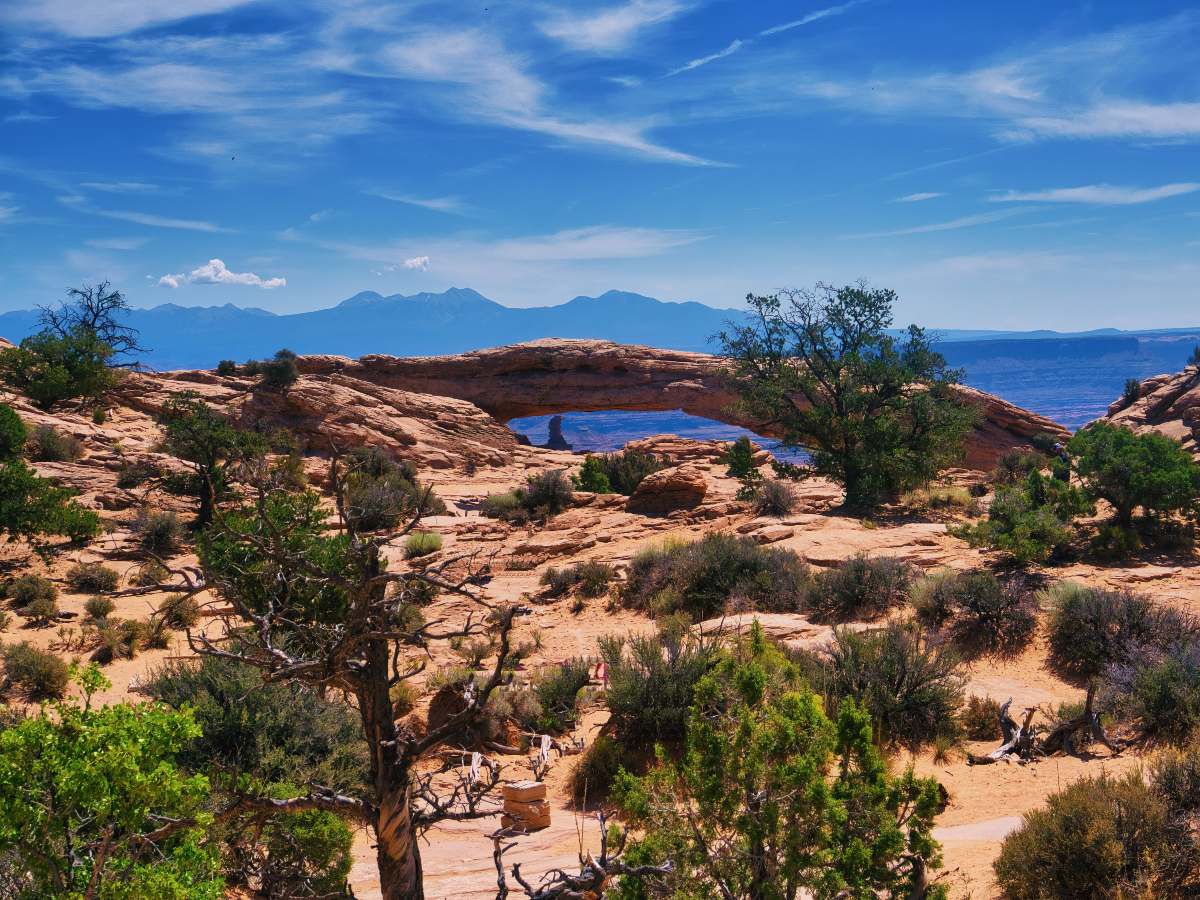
[(1068, 376)]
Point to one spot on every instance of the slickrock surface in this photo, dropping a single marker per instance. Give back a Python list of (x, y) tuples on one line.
[(1169, 404), (557, 375)]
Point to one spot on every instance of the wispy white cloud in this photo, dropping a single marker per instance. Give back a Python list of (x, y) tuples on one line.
[(450, 205), (115, 243), (1119, 118), (733, 48), (1099, 194), (597, 242), (216, 272), (18, 117), (120, 187), (80, 204), (951, 225), (319, 215), (612, 29), (105, 18), (812, 17), (918, 197), (418, 263)]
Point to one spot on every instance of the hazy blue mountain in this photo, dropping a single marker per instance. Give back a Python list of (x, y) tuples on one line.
[(1070, 377)]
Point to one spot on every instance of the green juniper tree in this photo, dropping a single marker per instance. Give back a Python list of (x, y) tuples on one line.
[(878, 414)]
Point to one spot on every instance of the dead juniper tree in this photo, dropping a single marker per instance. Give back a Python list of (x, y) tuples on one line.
[(316, 603), (595, 875), (1026, 742)]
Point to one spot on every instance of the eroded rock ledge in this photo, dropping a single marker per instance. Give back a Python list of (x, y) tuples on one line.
[(557, 375)]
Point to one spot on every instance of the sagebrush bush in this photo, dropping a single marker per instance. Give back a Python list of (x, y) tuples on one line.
[(99, 607), (149, 573), (702, 578), (546, 494), (862, 588), (92, 578), (501, 506), (588, 579), (42, 675), (25, 589), (595, 771), (40, 611), (136, 473), (913, 691), (623, 471), (179, 611), (275, 732), (1092, 628), (976, 610), (1159, 690), (651, 679), (48, 444), (980, 719), (158, 531), (557, 691), (1099, 837), (1015, 466), (775, 497), (422, 543), (380, 492)]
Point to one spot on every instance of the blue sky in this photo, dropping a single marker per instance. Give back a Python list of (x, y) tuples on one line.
[(1009, 165)]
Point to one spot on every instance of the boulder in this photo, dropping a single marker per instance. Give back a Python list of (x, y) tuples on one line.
[(668, 490)]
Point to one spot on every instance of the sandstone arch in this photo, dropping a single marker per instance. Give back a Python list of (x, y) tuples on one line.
[(557, 375)]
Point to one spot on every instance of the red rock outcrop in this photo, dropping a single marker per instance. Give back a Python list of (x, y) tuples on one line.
[(667, 490), (1169, 404), (557, 375)]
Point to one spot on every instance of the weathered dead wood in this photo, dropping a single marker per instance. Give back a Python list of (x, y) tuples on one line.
[(1024, 743)]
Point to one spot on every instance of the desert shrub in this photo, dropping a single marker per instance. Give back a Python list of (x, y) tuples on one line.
[(380, 492), (5, 621), (1096, 838), (861, 588), (40, 674), (588, 579), (592, 477), (626, 469), (701, 578), (1132, 391), (274, 731), (288, 471), (913, 691), (404, 699), (1158, 689), (976, 610), (739, 458), (651, 679), (31, 506), (179, 611), (1028, 521), (99, 607), (1015, 466), (422, 543), (980, 719), (99, 415), (279, 372), (1129, 470), (48, 444), (546, 494), (775, 497), (501, 506), (595, 771), (92, 578), (148, 573), (159, 531), (1091, 628), (49, 368), (120, 639), (12, 433), (40, 611), (557, 691), (136, 473), (227, 367), (942, 496), (26, 589)]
